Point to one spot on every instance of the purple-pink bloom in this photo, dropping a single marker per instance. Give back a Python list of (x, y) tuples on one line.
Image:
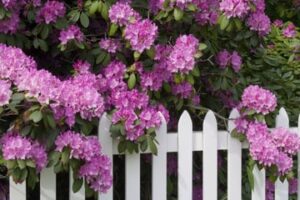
[(259, 22), (278, 23), (71, 140), (10, 25), (39, 156), (261, 100), (150, 118), (50, 12), (110, 45), (72, 32), (82, 67), (289, 31), (182, 56), (141, 35), (184, 90), (5, 92), (234, 8), (122, 14), (236, 61), (241, 124), (223, 58), (286, 140)]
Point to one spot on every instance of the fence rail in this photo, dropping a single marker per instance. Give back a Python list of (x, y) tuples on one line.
[(185, 142)]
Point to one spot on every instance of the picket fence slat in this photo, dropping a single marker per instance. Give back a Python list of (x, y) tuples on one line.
[(80, 195), (234, 162), (132, 177), (185, 157), (17, 191), (282, 189), (48, 185), (107, 148), (185, 142), (159, 165), (298, 156), (210, 157)]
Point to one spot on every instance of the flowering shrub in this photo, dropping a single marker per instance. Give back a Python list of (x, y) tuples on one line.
[(64, 63)]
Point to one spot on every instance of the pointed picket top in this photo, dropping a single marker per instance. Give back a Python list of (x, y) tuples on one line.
[(185, 157), (234, 114), (185, 119), (210, 121), (234, 162), (210, 157), (107, 148), (159, 163), (282, 119)]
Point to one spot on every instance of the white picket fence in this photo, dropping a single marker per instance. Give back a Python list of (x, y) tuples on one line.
[(210, 140)]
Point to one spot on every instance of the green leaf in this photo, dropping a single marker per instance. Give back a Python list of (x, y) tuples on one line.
[(136, 55), (202, 46), (84, 20), (51, 121), (250, 177), (43, 45), (224, 22), (26, 130), (93, 8), (21, 164), (45, 32), (196, 72), (178, 14), (122, 146), (131, 81), (152, 145), (77, 184), (30, 163), (113, 29), (36, 116), (18, 97), (104, 11), (74, 15), (24, 174), (10, 164)]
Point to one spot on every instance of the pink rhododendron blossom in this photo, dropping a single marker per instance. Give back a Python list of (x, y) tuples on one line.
[(182, 56), (223, 58), (72, 32), (141, 35), (261, 100), (110, 45), (10, 25), (16, 147), (82, 67), (5, 92), (122, 14), (289, 31), (259, 22), (50, 12), (234, 8)]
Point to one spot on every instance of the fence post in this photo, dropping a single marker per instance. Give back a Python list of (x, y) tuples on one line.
[(17, 191), (210, 157), (107, 148), (234, 180), (282, 189), (80, 195), (185, 157), (159, 165), (48, 184)]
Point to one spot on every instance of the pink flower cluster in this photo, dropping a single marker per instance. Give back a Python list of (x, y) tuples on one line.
[(5, 92), (16, 147), (258, 99), (224, 59), (260, 22), (65, 97), (208, 11), (50, 12), (290, 31), (272, 148), (122, 14), (11, 24), (72, 32), (96, 167), (234, 8), (182, 55), (82, 67), (110, 45), (141, 34)]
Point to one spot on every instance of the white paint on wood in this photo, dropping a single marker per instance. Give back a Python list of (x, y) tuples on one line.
[(132, 177), (80, 195), (258, 192), (282, 189), (48, 184), (107, 148), (17, 191), (159, 165), (234, 180), (210, 157), (185, 157)]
